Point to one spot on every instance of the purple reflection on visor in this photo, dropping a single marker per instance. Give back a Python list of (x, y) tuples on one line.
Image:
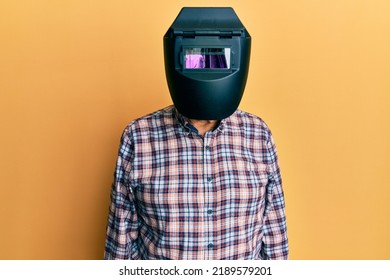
[(195, 61), (206, 61)]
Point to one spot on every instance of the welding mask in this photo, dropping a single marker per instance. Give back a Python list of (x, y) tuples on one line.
[(206, 53)]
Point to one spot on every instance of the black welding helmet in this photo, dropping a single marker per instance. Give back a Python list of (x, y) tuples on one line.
[(206, 53)]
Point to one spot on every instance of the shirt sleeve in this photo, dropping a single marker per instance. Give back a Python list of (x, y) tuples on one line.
[(122, 225), (275, 242)]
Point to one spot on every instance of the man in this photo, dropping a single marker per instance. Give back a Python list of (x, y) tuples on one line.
[(200, 179)]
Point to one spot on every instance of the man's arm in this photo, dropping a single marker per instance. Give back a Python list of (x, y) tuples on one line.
[(275, 242), (122, 225)]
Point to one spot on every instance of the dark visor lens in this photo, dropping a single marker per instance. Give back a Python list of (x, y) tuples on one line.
[(207, 58)]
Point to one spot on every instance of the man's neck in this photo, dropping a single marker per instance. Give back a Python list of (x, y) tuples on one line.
[(203, 125)]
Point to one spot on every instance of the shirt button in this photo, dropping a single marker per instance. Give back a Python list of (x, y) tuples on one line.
[(208, 148), (209, 179), (209, 211), (210, 246)]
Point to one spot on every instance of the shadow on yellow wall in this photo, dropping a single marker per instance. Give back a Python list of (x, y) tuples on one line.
[(73, 74)]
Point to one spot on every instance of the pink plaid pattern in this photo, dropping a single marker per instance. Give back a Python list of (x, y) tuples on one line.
[(178, 195)]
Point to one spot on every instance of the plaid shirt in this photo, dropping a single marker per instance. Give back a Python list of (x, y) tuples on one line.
[(178, 195)]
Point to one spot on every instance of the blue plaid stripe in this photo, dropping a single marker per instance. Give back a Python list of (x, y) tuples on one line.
[(178, 195)]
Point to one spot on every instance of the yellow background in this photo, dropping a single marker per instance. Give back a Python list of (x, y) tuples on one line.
[(74, 73)]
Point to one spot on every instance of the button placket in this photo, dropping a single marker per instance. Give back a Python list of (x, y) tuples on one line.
[(208, 177)]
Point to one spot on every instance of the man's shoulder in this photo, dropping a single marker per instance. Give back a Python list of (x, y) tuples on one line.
[(248, 121), (157, 120), (246, 116)]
